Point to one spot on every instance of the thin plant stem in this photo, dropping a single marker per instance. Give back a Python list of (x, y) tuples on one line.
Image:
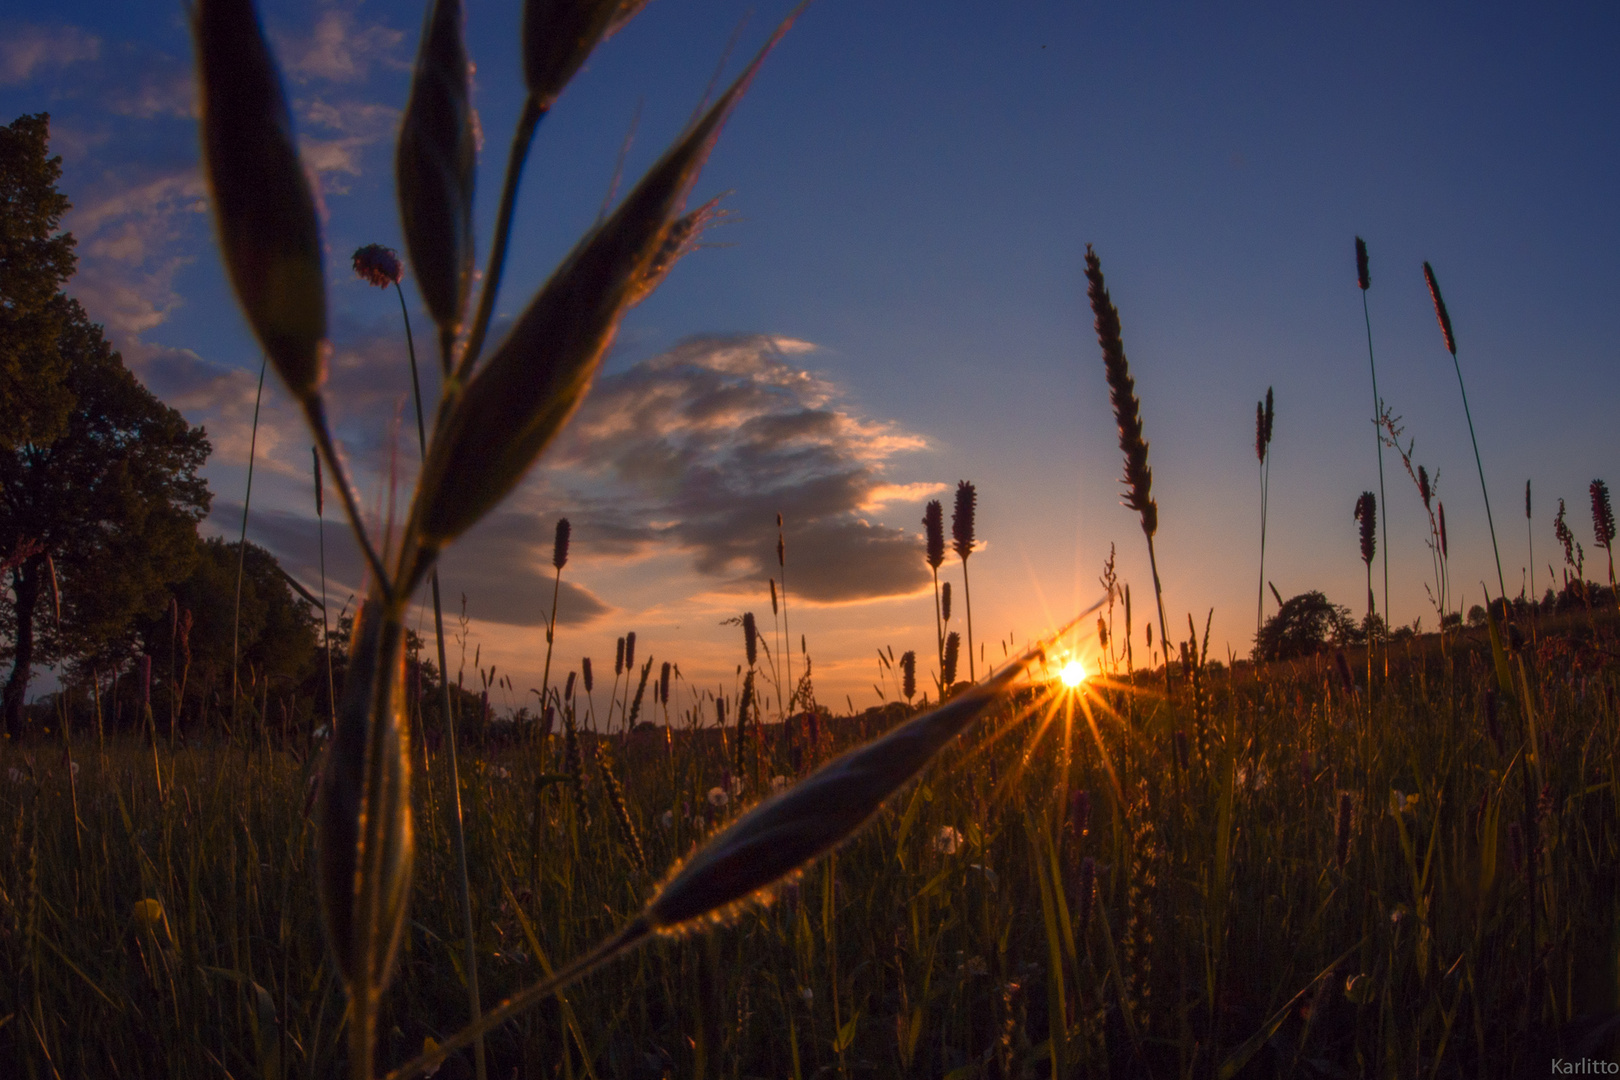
[(315, 416), (1383, 502), (457, 833), (939, 635), (1501, 583), (967, 605), (1260, 604), (241, 544), (522, 139), (551, 636), (1158, 593), (326, 630)]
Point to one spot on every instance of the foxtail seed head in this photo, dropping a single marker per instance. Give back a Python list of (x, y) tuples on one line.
[(945, 602), (1440, 309), (953, 647), (908, 673), (750, 638), (1361, 264)]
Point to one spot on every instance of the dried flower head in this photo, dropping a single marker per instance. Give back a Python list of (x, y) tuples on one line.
[(378, 265)]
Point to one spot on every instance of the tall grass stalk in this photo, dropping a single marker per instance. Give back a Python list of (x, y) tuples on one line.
[(1264, 414), (1451, 347), (962, 520), (241, 544), (934, 552), (1530, 535), (1127, 416), (1364, 280), (787, 634), (326, 628), (559, 558)]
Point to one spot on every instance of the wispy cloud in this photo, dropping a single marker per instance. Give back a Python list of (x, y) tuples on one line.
[(27, 50), (130, 250), (339, 49), (347, 128)]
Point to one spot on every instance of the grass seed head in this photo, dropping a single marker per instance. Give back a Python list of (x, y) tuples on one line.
[(1602, 514), (945, 602), (1367, 518), (934, 527), (953, 648), (264, 209), (908, 673), (1441, 515), (1271, 415), (1260, 431), (967, 501), (630, 650), (1138, 477), (663, 684), (1361, 264), (559, 545), (585, 672), (750, 638), (1440, 309)]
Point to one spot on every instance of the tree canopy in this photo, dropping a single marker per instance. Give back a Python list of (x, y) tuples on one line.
[(100, 518), (34, 262), (1305, 624)]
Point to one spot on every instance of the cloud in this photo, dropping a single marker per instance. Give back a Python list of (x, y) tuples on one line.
[(26, 50), (338, 49), (702, 446), (130, 249), (168, 91), (354, 125), (503, 567)]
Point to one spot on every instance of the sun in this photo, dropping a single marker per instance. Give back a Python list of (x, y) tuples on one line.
[(1073, 674)]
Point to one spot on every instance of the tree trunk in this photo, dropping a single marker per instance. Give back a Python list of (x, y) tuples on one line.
[(25, 584)]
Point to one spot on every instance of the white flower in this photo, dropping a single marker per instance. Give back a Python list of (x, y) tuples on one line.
[(322, 732), (778, 783), (718, 797), (668, 819), (948, 840)]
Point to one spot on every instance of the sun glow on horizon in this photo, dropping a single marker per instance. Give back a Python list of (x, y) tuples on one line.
[(1073, 674)]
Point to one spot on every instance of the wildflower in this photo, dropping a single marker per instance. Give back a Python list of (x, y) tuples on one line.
[(323, 731), (948, 840), (718, 797), (734, 784), (778, 784), (378, 265)]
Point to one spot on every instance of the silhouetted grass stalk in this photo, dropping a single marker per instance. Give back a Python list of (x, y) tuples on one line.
[(241, 546), (1127, 415), (1451, 346), (1364, 280)]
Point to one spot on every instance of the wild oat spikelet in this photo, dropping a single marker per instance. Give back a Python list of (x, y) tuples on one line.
[(1425, 491), (1440, 308)]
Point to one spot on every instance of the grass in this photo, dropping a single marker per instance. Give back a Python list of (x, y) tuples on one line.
[(1224, 938)]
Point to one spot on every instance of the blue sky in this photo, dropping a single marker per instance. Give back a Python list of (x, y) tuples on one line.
[(913, 186)]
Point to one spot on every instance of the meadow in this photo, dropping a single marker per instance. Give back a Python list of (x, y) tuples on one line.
[(1260, 875), (1391, 858)]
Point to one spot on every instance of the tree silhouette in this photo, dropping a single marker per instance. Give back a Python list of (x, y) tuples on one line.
[(109, 500), (1304, 625)]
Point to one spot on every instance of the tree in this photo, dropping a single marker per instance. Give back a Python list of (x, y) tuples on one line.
[(112, 503), (34, 261), (279, 630), (1304, 625)]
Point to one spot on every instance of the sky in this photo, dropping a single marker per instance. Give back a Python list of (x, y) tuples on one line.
[(896, 303)]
